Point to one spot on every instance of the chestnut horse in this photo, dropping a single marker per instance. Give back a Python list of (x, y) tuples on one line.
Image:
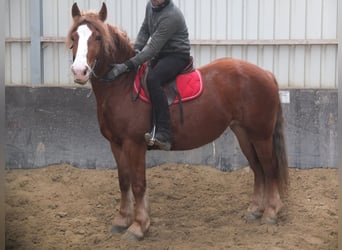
[(236, 94)]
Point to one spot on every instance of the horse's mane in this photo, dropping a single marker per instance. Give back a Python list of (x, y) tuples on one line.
[(115, 41)]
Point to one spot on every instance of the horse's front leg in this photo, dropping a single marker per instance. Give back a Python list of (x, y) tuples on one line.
[(132, 179), (125, 216)]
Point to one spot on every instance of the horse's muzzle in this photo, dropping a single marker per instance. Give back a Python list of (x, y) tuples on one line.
[(81, 74)]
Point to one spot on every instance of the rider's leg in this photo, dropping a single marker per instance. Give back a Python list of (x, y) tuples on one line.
[(166, 69)]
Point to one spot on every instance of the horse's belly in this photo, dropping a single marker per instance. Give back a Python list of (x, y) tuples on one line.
[(198, 134)]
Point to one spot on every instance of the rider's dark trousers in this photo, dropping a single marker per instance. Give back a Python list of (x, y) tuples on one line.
[(164, 71)]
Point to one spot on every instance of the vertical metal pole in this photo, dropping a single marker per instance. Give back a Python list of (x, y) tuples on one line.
[(36, 48), (2, 128)]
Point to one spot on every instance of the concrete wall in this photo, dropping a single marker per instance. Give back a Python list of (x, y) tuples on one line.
[(53, 125)]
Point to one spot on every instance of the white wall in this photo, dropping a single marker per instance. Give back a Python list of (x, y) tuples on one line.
[(295, 39)]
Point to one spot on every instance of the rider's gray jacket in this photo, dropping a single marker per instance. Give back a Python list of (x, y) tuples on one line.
[(162, 32)]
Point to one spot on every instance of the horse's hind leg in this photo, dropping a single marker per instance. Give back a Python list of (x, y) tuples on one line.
[(272, 201), (256, 207)]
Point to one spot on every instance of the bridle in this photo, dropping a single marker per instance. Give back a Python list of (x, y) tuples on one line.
[(92, 71), (92, 74)]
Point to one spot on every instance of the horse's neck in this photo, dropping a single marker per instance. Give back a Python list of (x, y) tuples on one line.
[(118, 90), (103, 66), (119, 51), (121, 48)]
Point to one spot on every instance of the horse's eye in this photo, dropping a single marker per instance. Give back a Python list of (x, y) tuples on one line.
[(98, 38), (72, 39)]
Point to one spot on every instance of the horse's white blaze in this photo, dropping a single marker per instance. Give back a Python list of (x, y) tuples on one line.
[(80, 66)]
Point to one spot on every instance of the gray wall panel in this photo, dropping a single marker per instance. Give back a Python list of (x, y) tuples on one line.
[(303, 35)]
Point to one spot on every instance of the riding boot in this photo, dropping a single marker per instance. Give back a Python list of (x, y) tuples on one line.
[(163, 134)]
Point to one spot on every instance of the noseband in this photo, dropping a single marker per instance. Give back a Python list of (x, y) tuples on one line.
[(93, 75), (93, 69)]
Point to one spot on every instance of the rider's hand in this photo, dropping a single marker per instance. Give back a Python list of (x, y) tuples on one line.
[(117, 70)]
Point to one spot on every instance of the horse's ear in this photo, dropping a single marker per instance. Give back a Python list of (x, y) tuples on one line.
[(103, 12), (75, 12)]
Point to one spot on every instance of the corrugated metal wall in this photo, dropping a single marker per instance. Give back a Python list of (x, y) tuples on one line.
[(295, 39)]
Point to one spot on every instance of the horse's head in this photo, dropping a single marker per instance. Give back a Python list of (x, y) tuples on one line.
[(92, 40), (95, 44), (85, 41)]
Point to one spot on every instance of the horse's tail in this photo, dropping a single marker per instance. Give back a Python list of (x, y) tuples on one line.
[(279, 148)]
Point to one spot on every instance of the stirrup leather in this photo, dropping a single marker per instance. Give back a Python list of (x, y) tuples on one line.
[(150, 138)]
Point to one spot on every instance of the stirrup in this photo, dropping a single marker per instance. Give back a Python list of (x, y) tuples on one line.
[(152, 140)]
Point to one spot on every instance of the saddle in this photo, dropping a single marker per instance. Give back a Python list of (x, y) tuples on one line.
[(187, 86)]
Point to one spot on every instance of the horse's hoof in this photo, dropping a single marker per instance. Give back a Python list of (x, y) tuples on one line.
[(118, 229), (269, 220), (252, 216), (131, 236)]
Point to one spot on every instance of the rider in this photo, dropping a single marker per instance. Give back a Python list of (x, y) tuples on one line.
[(164, 37)]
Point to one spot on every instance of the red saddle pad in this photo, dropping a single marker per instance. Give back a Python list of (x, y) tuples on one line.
[(189, 85)]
